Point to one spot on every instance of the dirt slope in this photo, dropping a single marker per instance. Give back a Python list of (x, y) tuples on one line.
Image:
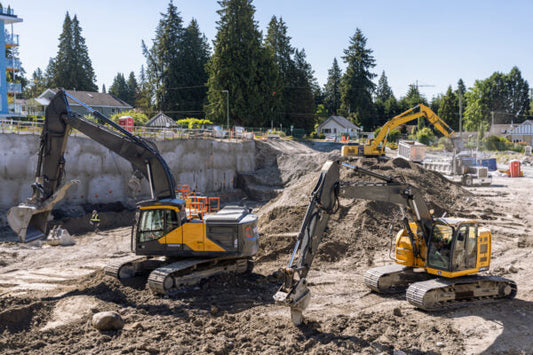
[(48, 295)]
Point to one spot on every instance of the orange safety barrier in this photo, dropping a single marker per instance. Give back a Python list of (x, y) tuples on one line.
[(210, 204), (195, 209), (203, 201)]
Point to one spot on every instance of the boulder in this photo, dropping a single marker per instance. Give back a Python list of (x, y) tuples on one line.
[(108, 321)]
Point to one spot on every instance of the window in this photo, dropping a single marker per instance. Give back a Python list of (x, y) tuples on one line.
[(440, 246), (156, 223)]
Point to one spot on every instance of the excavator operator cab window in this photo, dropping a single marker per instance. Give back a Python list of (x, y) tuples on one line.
[(440, 247), (154, 224), (464, 251)]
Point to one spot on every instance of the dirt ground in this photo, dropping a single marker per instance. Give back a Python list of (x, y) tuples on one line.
[(49, 294)]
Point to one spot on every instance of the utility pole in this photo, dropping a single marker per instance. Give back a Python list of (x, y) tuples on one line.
[(492, 125), (461, 116), (227, 106)]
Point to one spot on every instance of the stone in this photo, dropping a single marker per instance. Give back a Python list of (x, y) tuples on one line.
[(109, 320), (397, 312), (440, 344)]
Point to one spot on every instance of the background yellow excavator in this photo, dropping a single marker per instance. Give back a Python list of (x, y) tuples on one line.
[(435, 258), (376, 146), (172, 247)]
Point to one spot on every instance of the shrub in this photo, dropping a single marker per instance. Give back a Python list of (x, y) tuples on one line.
[(139, 118), (425, 136), (193, 122)]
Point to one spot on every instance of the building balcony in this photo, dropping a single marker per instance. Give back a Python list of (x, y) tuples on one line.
[(12, 40), (12, 64), (7, 11), (14, 88)]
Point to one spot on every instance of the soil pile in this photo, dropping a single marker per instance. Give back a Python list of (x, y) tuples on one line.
[(360, 226)]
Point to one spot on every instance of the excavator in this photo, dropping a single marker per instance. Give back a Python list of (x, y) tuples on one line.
[(173, 248), (376, 147), (436, 259)]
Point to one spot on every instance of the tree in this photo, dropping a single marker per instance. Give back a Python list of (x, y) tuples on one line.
[(303, 106), (412, 98), (357, 86), (163, 66), (37, 84), (72, 67), (104, 91), (386, 106), (132, 89), (332, 89), (119, 88), (242, 66), (449, 109), (143, 100), (383, 90), (506, 96)]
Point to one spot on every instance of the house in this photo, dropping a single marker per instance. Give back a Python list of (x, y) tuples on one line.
[(523, 132), (161, 120), (106, 104), (501, 130), (338, 126)]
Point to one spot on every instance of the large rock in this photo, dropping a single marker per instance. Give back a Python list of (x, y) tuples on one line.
[(108, 321)]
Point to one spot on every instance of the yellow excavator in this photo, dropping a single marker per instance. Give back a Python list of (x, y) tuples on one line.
[(435, 258), (376, 146), (173, 248)]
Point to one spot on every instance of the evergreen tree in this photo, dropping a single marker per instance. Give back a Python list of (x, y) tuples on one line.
[(412, 98), (37, 84), (332, 89), (242, 66), (143, 100), (133, 88), (357, 85), (104, 91), (119, 88), (385, 105), (449, 109), (194, 60), (175, 73), (72, 67), (383, 90), (303, 104)]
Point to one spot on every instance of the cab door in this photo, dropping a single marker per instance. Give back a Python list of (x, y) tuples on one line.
[(465, 248)]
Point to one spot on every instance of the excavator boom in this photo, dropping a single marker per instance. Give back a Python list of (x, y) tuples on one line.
[(30, 218)]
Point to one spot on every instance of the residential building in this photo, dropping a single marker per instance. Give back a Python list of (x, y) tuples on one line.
[(9, 63), (161, 120), (338, 126), (106, 104), (522, 132)]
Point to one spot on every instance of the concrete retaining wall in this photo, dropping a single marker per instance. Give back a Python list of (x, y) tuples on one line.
[(206, 165)]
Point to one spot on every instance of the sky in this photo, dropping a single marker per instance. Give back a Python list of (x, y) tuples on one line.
[(432, 43)]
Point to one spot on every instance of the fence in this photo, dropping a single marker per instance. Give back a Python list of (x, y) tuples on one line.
[(154, 133)]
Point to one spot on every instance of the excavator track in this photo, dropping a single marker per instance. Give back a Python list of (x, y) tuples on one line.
[(393, 278), (135, 266), (169, 278), (441, 294)]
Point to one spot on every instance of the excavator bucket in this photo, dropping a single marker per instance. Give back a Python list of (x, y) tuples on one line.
[(29, 220)]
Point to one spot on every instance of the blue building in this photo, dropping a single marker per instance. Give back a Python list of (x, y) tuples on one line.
[(8, 63)]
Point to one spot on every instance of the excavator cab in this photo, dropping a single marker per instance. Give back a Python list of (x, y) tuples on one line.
[(453, 249)]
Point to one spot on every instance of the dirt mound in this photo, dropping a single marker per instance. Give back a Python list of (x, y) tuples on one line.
[(360, 226)]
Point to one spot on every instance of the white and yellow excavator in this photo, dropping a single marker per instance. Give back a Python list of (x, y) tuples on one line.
[(173, 248), (436, 259), (376, 146)]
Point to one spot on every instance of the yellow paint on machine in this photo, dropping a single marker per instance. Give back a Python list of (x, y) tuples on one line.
[(193, 235)]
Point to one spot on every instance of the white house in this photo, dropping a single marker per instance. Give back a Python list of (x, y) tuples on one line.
[(523, 132), (338, 126)]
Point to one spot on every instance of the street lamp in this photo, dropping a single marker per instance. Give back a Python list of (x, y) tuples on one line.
[(227, 105)]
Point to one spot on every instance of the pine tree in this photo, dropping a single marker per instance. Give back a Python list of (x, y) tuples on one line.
[(332, 89), (383, 90), (164, 69), (72, 67), (303, 105), (449, 109), (194, 60), (241, 66), (132, 88), (357, 86), (143, 100), (104, 91), (119, 88)]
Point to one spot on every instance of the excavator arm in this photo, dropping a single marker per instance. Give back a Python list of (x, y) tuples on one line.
[(294, 292), (407, 116), (29, 219)]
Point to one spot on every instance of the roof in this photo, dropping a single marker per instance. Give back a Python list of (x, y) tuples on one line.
[(341, 121), (161, 120), (501, 128), (90, 98), (525, 127)]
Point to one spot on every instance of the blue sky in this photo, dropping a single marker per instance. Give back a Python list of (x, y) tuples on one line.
[(432, 42)]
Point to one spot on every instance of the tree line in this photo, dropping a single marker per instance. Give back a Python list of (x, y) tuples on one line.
[(263, 80)]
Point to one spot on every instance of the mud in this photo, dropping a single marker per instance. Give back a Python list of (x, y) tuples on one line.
[(48, 295)]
